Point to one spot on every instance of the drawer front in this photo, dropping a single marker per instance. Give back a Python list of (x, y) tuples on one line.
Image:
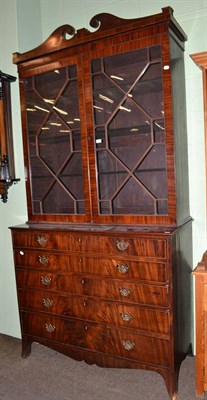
[(117, 268), (91, 336), (48, 240), (48, 261), (114, 245), (129, 291), (82, 307), (121, 245)]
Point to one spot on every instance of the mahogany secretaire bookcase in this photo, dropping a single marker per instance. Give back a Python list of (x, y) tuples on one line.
[(103, 265)]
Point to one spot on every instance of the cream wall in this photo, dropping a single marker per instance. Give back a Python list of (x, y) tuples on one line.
[(15, 210), (14, 30), (24, 24)]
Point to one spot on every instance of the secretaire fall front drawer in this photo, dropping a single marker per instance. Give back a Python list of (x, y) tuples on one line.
[(99, 244)]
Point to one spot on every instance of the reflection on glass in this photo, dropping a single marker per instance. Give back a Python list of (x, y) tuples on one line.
[(54, 142), (130, 133)]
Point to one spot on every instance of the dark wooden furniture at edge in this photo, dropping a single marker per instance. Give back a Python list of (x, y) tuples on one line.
[(200, 272), (103, 265)]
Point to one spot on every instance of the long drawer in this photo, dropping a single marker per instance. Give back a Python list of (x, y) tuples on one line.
[(114, 267), (82, 307), (114, 245), (130, 291), (88, 335)]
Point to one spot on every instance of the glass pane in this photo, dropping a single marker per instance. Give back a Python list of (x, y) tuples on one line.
[(133, 199), (106, 97), (71, 176), (155, 53), (49, 84), (41, 178), (152, 172), (130, 133), (129, 148), (124, 69), (54, 142), (162, 207), (111, 175), (54, 146), (67, 106), (58, 201), (148, 92), (159, 131)]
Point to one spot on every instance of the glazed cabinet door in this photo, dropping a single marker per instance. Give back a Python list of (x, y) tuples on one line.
[(132, 155), (130, 133), (55, 143), (98, 121)]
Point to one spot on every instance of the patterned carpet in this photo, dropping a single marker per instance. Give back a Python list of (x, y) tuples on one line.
[(48, 375)]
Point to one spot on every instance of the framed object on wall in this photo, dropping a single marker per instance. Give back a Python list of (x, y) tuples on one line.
[(7, 169)]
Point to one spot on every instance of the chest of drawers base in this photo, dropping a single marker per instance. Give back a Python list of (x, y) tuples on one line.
[(113, 299)]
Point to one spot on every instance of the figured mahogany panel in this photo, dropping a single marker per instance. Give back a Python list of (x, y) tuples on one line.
[(98, 338), (95, 243), (47, 240), (106, 288), (125, 245), (117, 314), (114, 267)]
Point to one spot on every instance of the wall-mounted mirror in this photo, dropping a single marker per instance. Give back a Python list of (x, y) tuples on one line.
[(7, 168)]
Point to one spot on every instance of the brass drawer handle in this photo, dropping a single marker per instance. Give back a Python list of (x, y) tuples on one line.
[(42, 240), (122, 245), (125, 292), (128, 345), (126, 316), (47, 303), (50, 327), (46, 280), (43, 260), (123, 268)]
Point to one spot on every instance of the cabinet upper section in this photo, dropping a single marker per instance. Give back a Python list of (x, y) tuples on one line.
[(103, 117)]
